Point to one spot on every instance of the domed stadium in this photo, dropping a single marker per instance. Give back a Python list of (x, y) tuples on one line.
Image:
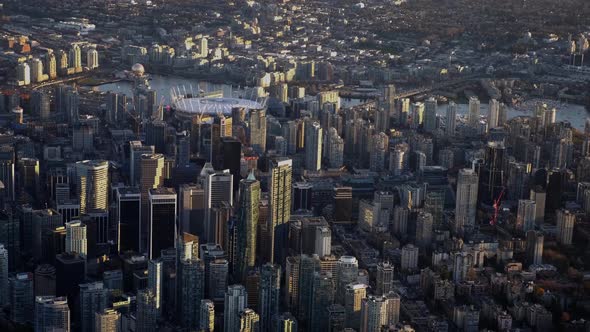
[(188, 104)]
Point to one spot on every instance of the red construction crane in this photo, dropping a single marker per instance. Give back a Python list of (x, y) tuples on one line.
[(497, 203)]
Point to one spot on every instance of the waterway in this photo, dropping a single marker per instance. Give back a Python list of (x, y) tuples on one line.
[(574, 114)]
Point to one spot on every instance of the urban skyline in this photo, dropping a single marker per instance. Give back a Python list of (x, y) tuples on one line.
[(294, 165)]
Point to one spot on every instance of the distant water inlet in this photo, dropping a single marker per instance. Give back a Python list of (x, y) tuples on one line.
[(574, 114)]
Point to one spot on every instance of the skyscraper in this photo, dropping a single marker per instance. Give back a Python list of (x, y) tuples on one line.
[(308, 266), (424, 223), (315, 237), (231, 154), (252, 287), (113, 110), (62, 62), (40, 104), (565, 226), (155, 130), (539, 195), (313, 146), (21, 298), (302, 192), (291, 288), (518, 179), (23, 73), (409, 259), (336, 317), (92, 58), (93, 298), (152, 176), (268, 295), (183, 149), (235, 302), (494, 114), (249, 203), (70, 271), (192, 208), (335, 149), (286, 322), (3, 275), (379, 151), (93, 184), (218, 186), (43, 221), (430, 106), (207, 317), (188, 246), (280, 201), (389, 98), (113, 280), (220, 128), (203, 47), (347, 270), (492, 175), (162, 220), (417, 114), (451, 124), (434, 204), (36, 70), (107, 320), (216, 269), (474, 112), (249, 321), (404, 110), (393, 301), (257, 130), (217, 272), (323, 297), (354, 294), (343, 204), (191, 290), (525, 218), (7, 171), (534, 247), (10, 234), (462, 262), (146, 313), (373, 314), (384, 279), (400, 220), (28, 180), (155, 282), (52, 313), (75, 57), (381, 119), (466, 201), (136, 150), (98, 230), (129, 219), (51, 65), (76, 238)]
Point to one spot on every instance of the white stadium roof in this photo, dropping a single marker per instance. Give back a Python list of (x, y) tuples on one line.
[(215, 105)]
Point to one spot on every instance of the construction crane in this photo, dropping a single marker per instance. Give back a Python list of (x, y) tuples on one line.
[(497, 203)]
